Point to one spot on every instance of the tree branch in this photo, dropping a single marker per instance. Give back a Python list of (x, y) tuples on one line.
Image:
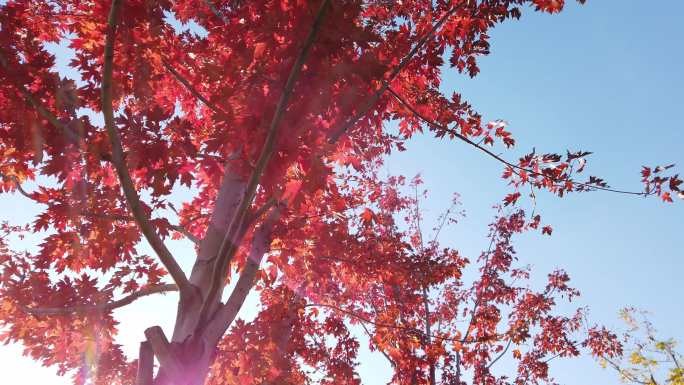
[(192, 237), (497, 157), (120, 163), (230, 240), (260, 246), (186, 83), (428, 334), (227, 200), (17, 186), (372, 100), (73, 137), (409, 330), (28, 195), (263, 209), (216, 11), (102, 307), (370, 336), (508, 345), (162, 349), (442, 222), (145, 374)]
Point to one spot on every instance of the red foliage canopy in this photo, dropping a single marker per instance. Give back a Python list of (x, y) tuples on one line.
[(274, 115)]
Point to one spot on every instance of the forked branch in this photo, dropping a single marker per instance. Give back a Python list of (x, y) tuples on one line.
[(260, 246), (230, 240)]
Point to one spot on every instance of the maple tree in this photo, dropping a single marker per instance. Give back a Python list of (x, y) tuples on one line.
[(279, 134)]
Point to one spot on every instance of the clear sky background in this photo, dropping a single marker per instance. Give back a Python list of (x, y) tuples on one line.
[(606, 77)]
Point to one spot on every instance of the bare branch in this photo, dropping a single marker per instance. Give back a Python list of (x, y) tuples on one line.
[(416, 204), (102, 307), (181, 229), (428, 334), (17, 186), (476, 305), (497, 157), (389, 359), (263, 209), (28, 195), (673, 355), (227, 200), (442, 222), (120, 163)]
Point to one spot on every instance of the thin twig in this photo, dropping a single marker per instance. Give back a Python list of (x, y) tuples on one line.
[(444, 218)]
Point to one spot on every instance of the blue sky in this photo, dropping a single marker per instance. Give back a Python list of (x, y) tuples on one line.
[(604, 77)]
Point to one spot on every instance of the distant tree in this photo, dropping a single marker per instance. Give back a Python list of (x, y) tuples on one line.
[(273, 115), (647, 359)]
